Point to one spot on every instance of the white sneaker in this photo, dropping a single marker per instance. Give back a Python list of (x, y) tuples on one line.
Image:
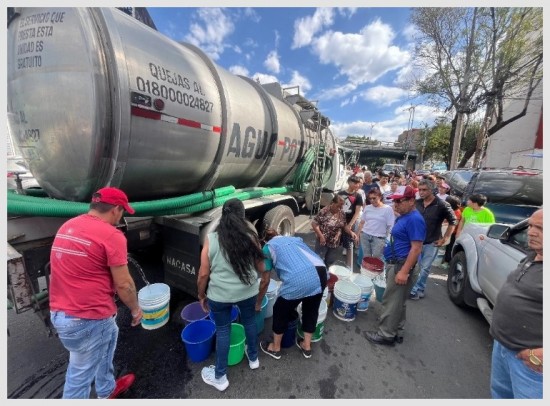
[(251, 364), (209, 377)]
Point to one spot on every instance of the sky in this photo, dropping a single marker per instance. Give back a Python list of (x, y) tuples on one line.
[(354, 62)]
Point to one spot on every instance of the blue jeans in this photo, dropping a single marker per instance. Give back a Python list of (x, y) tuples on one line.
[(427, 257), (511, 378), (372, 246), (91, 345), (221, 312)]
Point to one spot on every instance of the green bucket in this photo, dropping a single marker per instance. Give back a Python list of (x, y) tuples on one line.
[(236, 344)]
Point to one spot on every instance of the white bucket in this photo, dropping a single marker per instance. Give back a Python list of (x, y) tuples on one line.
[(366, 285), (346, 296), (154, 301), (320, 327), (325, 295), (342, 272), (271, 294)]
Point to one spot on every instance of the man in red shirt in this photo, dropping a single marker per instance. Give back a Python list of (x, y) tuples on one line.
[(89, 265)]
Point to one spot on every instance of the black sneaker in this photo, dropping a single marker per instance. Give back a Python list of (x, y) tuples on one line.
[(275, 354), (305, 353)]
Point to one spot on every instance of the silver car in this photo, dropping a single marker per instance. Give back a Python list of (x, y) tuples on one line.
[(482, 258)]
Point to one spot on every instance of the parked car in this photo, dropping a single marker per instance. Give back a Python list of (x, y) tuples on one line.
[(512, 194), (17, 168), (482, 257)]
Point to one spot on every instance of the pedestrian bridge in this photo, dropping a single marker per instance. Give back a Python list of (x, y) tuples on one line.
[(382, 149)]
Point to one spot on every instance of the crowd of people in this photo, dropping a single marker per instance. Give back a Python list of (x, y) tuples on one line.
[(395, 218)]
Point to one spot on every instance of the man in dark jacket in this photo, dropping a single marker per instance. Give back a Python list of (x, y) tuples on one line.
[(434, 211)]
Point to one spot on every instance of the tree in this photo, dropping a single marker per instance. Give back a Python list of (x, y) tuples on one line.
[(438, 138), (449, 51), (515, 50), (477, 58)]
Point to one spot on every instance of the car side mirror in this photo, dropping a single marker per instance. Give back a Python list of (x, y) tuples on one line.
[(499, 231)]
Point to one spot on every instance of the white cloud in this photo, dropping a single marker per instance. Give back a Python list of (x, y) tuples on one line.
[(347, 11), (388, 130), (383, 95), (272, 63), (238, 70), (252, 15), (363, 57), (305, 28), (337, 91), (210, 31), (409, 32), (349, 100), (249, 42), (298, 80), (264, 78)]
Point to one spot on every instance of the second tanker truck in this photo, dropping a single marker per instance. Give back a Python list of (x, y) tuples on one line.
[(96, 98)]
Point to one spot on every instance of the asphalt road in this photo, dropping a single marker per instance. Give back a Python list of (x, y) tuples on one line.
[(446, 354)]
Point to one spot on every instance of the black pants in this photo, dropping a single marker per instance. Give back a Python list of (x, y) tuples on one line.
[(449, 248), (284, 311)]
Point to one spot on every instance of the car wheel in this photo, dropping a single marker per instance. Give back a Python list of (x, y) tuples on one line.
[(280, 218), (457, 279)]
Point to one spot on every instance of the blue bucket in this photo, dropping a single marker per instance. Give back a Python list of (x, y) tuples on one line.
[(289, 336), (198, 338), (260, 316)]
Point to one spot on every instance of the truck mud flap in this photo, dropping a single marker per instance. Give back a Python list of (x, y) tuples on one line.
[(181, 255)]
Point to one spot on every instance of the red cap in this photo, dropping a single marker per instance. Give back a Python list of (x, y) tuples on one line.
[(114, 196), (403, 193)]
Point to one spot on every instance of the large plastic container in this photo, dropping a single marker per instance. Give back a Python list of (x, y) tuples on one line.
[(289, 336), (342, 272), (271, 294), (154, 301), (332, 279), (193, 312), (124, 82), (346, 296), (198, 338), (320, 327), (260, 316), (366, 285), (372, 267), (237, 339), (379, 288)]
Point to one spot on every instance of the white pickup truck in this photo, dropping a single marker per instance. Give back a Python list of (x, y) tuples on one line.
[(482, 257)]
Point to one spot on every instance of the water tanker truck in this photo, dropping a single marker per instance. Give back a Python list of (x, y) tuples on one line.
[(97, 98)]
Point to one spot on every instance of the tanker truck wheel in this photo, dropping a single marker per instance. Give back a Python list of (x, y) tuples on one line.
[(281, 218)]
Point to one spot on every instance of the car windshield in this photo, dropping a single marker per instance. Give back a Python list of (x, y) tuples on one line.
[(510, 189)]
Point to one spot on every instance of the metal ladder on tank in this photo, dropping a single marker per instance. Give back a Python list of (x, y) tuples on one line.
[(318, 173)]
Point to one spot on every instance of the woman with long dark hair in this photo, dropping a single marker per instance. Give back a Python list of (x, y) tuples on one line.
[(230, 259)]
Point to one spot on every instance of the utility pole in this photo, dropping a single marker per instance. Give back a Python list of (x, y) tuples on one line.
[(408, 137)]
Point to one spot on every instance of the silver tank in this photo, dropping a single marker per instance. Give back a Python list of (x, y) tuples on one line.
[(97, 98)]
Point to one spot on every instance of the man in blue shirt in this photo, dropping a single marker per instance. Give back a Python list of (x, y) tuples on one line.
[(400, 254)]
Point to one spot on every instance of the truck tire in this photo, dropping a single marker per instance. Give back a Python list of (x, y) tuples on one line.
[(281, 218), (457, 279)]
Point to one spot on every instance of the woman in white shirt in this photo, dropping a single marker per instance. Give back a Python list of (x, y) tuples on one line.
[(443, 191), (376, 223)]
